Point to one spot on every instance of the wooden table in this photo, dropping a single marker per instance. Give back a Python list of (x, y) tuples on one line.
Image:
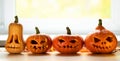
[(55, 56)]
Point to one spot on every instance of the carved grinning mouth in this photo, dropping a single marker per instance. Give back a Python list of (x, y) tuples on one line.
[(67, 46), (101, 47), (40, 47), (14, 47)]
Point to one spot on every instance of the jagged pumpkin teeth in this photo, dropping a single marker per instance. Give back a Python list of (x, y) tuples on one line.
[(38, 43), (101, 41), (15, 43)]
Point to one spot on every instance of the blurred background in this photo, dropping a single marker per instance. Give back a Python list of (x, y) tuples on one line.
[(52, 16)]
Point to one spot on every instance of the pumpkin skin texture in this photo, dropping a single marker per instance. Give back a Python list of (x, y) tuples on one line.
[(68, 44), (38, 43), (15, 42), (101, 40)]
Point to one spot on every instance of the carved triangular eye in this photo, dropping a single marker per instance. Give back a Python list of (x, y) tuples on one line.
[(61, 41), (109, 39), (33, 42), (43, 41), (73, 41), (96, 40), (11, 39), (16, 41)]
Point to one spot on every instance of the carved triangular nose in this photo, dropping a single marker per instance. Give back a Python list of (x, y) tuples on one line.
[(103, 42)]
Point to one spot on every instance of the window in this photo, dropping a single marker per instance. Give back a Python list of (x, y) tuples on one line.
[(1, 19), (52, 16), (7, 11), (63, 8)]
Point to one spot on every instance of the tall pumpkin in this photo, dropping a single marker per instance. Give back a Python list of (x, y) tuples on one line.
[(15, 43), (101, 40)]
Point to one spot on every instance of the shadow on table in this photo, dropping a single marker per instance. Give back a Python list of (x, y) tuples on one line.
[(14, 55), (43, 54), (102, 55), (60, 54)]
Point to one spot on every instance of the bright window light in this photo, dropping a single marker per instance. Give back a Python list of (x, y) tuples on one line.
[(52, 16), (63, 8)]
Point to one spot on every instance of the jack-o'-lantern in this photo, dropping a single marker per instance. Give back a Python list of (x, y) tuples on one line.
[(68, 44), (38, 43), (15, 43), (101, 40)]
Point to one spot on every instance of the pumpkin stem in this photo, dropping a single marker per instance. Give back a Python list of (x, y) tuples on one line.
[(100, 22), (16, 19), (37, 30), (100, 27), (68, 30)]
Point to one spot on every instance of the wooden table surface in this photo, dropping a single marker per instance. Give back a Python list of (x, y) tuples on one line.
[(55, 56)]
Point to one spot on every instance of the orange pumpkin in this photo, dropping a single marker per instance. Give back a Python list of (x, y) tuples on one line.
[(101, 40), (38, 43), (68, 44), (15, 43)]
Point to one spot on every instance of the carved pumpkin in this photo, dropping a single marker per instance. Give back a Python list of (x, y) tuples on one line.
[(38, 43), (101, 40), (15, 43), (68, 44)]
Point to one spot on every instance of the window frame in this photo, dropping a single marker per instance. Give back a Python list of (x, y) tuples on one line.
[(8, 11), (49, 25)]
